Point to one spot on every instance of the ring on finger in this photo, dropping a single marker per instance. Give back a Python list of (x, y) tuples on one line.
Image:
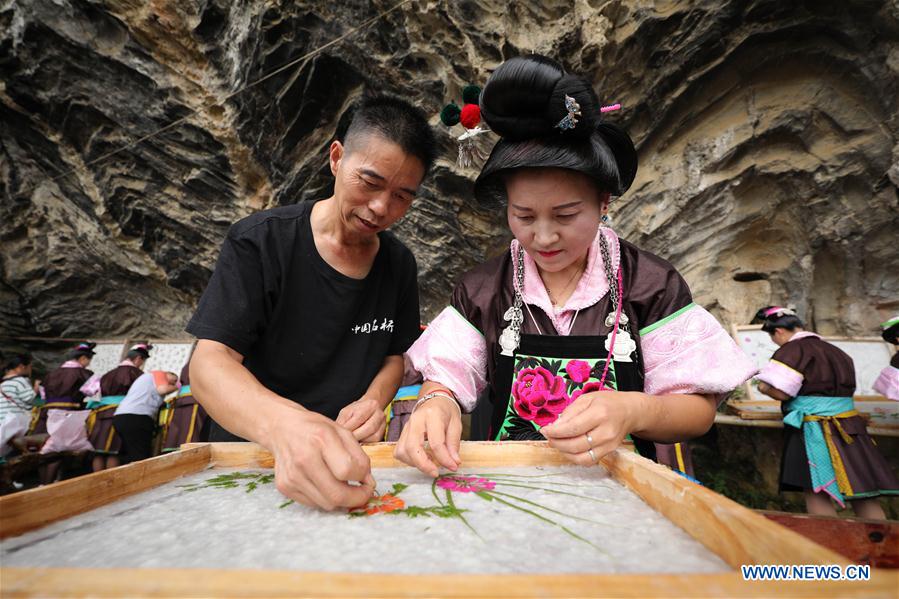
[(589, 441), (593, 456)]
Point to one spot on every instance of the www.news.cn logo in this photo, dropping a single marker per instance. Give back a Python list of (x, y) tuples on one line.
[(806, 572)]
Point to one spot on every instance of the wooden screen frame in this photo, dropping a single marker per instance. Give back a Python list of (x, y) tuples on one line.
[(734, 533)]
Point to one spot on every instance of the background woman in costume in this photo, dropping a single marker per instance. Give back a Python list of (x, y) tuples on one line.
[(887, 383), (136, 415), (186, 420), (827, 452), (63, 385), (113, 386), (18, 396), (580, 337), (63, 389)]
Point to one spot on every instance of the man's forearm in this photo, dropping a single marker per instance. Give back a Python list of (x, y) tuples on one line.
[(231, 394), (384, 386)]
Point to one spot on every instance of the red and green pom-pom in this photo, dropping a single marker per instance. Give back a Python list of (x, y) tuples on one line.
[(450, 114), (471, 94), (471, 116)]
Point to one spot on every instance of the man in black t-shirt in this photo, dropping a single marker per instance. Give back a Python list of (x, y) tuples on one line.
[(309, 310)]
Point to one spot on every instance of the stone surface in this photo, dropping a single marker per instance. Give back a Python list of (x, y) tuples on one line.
[(767, 135)]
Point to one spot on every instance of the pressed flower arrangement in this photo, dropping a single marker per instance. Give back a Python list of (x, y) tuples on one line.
[(491, 487)]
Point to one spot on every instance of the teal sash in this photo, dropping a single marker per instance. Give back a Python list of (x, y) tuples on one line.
[(108, 400), (824, 477)]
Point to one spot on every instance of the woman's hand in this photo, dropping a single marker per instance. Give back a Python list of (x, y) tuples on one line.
[(439, 423), (594, 425)]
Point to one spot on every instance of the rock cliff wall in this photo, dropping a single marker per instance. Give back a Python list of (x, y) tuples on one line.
[(767, 135)]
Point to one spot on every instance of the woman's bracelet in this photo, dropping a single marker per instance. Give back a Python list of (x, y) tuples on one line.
[(434, 394)]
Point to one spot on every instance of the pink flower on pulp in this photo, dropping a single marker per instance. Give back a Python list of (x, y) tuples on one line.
[(578, 371), (588, 388), (465, 484), (539, 395)]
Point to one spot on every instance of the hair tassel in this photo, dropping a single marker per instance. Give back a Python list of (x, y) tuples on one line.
[(472, 152)]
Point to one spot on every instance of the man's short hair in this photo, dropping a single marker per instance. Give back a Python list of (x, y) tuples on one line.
[(395, 120)]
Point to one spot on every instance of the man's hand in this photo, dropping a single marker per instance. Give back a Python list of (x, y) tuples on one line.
[(365, 419), (319, 463)]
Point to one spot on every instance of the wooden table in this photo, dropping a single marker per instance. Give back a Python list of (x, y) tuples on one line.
[(873, 542), (881, 414)]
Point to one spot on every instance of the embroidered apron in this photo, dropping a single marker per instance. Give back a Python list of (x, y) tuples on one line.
[(40, 414), (545, 375), (532, 390)]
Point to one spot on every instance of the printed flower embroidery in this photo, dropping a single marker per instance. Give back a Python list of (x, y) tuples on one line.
[(465, 484), (588, 388), (578, 370), (539, 395)]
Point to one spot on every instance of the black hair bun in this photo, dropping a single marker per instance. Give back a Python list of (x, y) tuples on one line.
[(525, 98), (524, 102), (623, 150), (760, 316)]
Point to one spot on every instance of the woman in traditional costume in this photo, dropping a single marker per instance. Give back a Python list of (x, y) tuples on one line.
[(572, 323), (63, 385), (887, 383), (827, 452), (185, 420), (114, 386), (63, 390)]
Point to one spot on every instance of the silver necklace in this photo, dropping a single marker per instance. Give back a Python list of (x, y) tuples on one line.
[(624, 344), (511, 335), (565, 290)]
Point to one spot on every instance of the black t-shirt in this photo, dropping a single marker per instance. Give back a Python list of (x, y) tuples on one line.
[(306, 331)]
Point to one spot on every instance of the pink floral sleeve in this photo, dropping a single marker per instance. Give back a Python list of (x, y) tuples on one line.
[(452, 352), (91, 386), (887, 383), (690, 352), (781, 377)]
